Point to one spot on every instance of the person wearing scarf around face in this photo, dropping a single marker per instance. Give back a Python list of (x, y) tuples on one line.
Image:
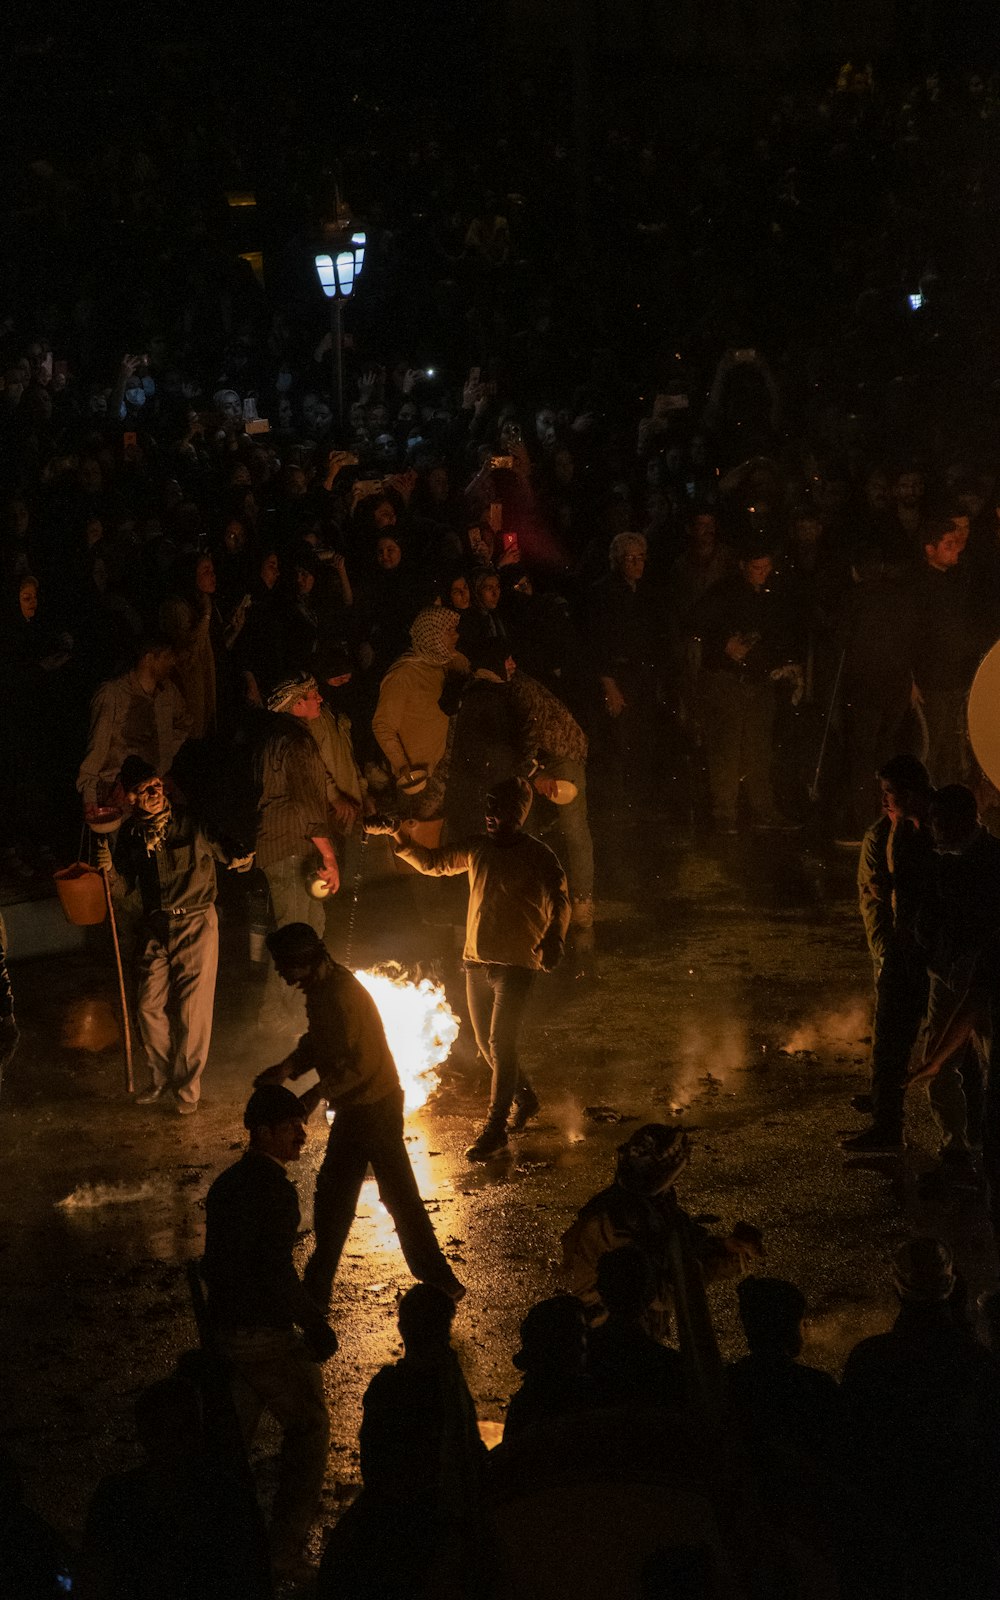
[(162, 865)]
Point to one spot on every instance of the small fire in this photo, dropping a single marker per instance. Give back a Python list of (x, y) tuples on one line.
[(419, 1025)]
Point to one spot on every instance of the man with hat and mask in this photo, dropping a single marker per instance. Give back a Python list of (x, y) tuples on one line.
[(516, 926), (411, 729), (346, 1046), (641, 1208), (295, 826), (163, 866), (256, 1302)]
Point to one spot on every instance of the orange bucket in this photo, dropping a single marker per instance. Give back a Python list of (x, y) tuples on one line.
[(81, 894)]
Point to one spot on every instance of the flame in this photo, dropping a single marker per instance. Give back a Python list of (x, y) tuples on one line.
[(419, 1025)]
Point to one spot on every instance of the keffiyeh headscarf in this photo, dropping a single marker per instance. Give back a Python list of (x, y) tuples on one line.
[(154, 829), (432, 634), (284, 695)]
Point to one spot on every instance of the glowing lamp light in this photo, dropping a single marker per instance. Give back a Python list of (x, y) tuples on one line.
[(339, 273)]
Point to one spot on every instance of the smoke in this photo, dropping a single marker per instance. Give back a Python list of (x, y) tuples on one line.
[(711, 1049), (567, 1114), (94, 1196), (846, 1026)]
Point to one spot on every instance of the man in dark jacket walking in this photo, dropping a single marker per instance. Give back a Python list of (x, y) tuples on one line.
[(347, 1047)]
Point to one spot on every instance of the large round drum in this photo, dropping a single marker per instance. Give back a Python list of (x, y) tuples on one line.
[(984, 715)]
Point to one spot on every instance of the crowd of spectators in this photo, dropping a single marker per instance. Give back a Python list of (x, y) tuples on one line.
[(742, 468)]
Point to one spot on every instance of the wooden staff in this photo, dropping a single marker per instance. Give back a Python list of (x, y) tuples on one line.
[(126, 1030)]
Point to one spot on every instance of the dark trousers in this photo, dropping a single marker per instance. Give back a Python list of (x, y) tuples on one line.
[(737, 717), (363, 1136), (900, 1006), (497, 996), (947, 741)]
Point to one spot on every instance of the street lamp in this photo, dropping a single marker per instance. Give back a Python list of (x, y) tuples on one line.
[(338, 269)]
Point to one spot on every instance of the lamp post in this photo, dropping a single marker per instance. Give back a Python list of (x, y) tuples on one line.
[(338, 268)]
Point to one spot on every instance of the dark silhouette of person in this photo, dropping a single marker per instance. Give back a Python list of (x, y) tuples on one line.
[(628, 1365), (177, 1527), (417, 1528)]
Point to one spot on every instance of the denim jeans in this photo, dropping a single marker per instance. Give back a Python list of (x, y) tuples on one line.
[(567, 829), (497, 997), (273, 1371)]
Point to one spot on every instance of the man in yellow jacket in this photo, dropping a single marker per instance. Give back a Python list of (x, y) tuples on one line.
[(518, 916)]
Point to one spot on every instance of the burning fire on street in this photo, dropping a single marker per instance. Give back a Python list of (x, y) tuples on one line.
[(420, 1027)]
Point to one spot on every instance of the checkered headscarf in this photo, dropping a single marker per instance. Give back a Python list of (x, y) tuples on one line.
[(284, 694)]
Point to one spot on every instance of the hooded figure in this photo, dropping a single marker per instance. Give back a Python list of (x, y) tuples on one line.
[(641, 1208), (409, 725)]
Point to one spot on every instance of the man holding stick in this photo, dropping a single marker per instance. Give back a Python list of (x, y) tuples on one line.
[(164, 861)]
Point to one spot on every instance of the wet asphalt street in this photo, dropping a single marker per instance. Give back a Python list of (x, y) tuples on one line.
[(733, 994)]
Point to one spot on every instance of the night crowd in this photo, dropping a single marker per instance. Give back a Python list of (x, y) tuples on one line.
[(717, 569)]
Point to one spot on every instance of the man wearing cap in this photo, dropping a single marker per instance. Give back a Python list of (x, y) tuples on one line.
[(347, 1047), (163, 866), (746, 648), (256, 1302), (295, 830), (516, 926)]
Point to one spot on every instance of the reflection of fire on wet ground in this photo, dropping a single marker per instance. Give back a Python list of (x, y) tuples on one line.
[(94, 1196), (419, 1025)]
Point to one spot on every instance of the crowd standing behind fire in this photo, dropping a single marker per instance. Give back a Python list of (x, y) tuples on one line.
[(676, 519)]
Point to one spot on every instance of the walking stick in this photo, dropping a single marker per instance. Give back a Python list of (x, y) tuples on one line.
[(814, 786), (354, 899), (126, 1030)]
